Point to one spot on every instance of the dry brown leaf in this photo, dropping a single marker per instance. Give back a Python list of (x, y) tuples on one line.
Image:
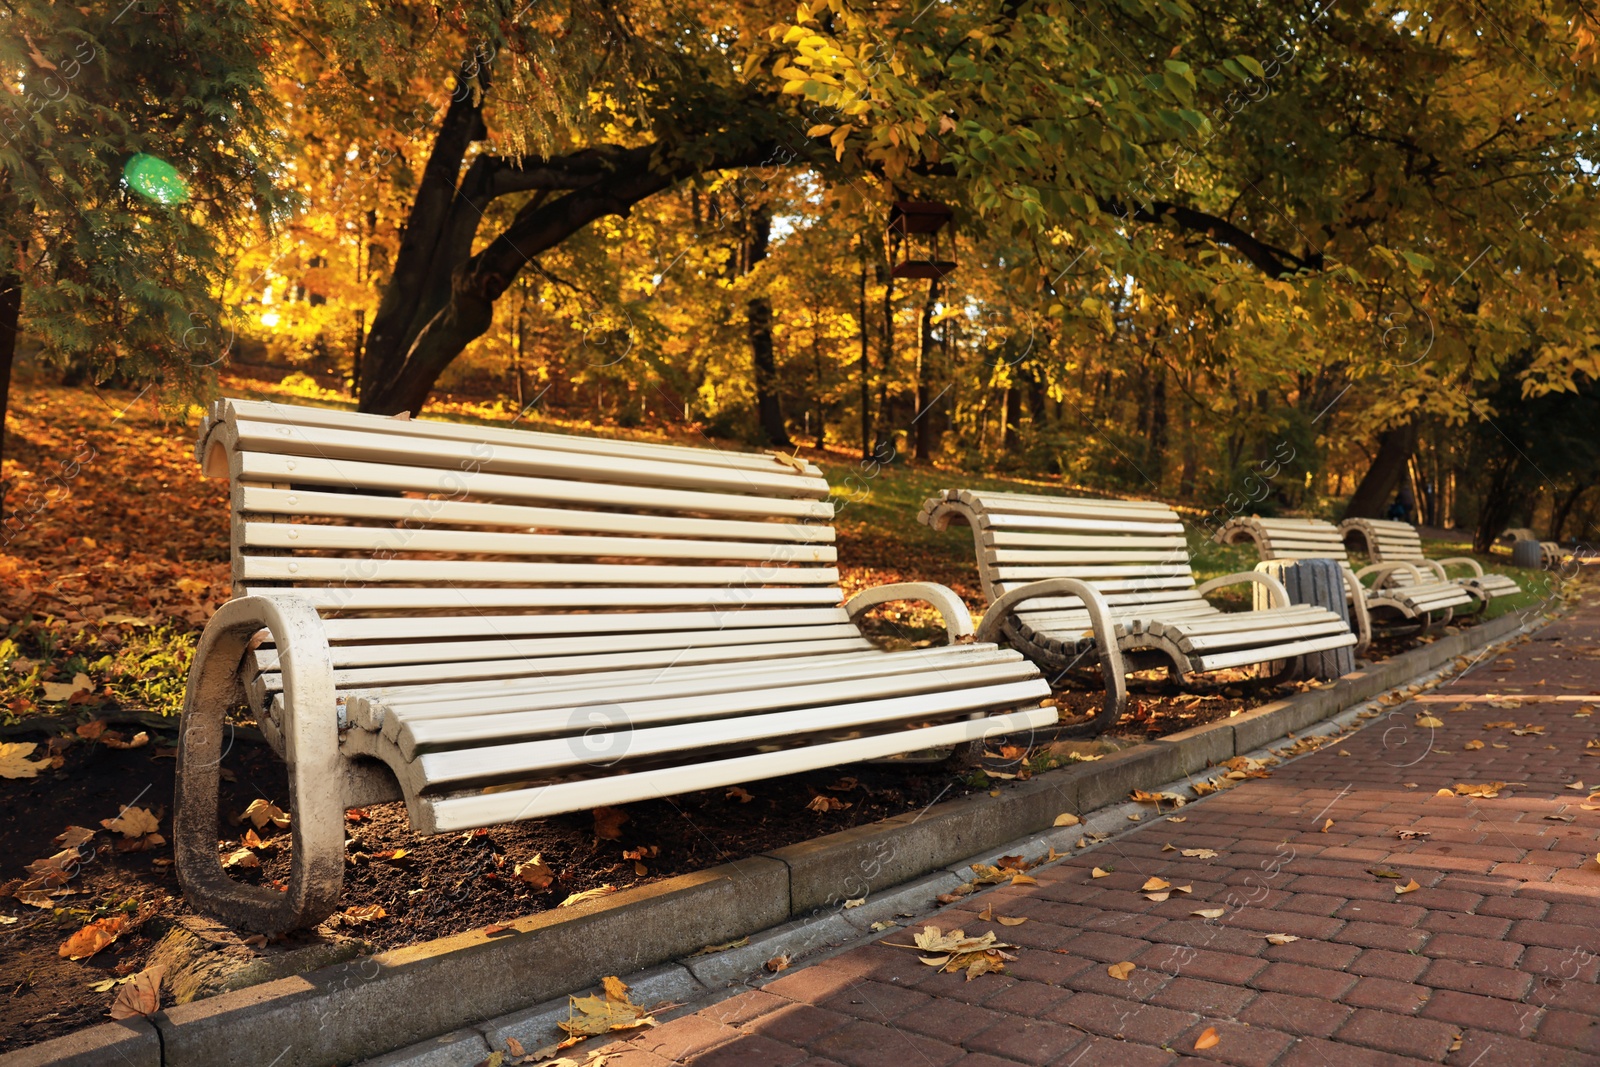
[(1006, 920), (738, 793), (1282, 939), (73, 836), (93, 937), (364, 913), (1120, 971), (608, 823), (1208, 1039), (535, 872), (133, 822), (1429, 721), (14, 762), (1067, 819), (142, 996), (1178, 818), (1099, 872), (263, 811), (777, 963), (1570, 785), (1486, 791), (242, 858), (588, 894), (610, 1010), (1157, 897), (113, 740), (1409, 887), (1473, 745), (55, 692), (1024, 879), (1154, 885), (1210, 913), (1199, 853), (1326, 826)]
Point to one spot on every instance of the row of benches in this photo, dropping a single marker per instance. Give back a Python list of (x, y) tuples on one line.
[(496, 624)]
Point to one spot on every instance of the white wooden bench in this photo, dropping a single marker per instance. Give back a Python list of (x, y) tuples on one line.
[(494, 625), (1387, 541), (1518, 533), (1424, 600), (1068, 579)]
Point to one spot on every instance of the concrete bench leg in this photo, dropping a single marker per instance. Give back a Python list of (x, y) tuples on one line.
[(311, 747)]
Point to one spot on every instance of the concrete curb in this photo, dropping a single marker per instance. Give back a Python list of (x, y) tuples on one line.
[(392, 1005)]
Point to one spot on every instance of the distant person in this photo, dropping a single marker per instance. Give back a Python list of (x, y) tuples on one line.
[(1404, 504)]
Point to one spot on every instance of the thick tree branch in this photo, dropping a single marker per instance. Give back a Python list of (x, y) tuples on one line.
[(1267, 258)]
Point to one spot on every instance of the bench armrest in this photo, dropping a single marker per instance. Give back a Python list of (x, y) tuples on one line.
[(311, 749), (1381, 571), (1280, 595), (1465, 561), (957, 619)]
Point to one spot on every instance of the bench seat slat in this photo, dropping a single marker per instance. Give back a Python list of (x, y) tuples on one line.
[(307, 537), (296, 470), (264, 500), (447, 814), (483, 764), (414, 735), (479, 598), (410, 629), (1225, 660), (254, 568)]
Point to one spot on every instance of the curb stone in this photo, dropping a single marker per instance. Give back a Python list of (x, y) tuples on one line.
[(390, 1005)]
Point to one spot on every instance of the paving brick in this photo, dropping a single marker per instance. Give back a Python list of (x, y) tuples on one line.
[(1382, 963), (1485, 1013), (1455, 922), (1322, 954), (1027, 1041), (747, 1049), (1106, 1052), (1388, 912), (1211, 966), (738, 1010), (874, 1045), (1107, 948), (1555, 935), (1247, 1046), (1570, 1030), (1314, 1052), (1112, 1017), (1204, 998), (800, 1024), (1381, 935), (1386, 994), (1296, 1015), (953, 1022), (1401, 1034), (685, 1037), (1304, 981), (1473, 949), (1468, 978)]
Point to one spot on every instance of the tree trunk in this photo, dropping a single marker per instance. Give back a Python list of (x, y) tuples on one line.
[(758, 319), (1563, 509), (10, 316), (1371, 498), (865, 362), (1011, 438), (922, 421), (1498, 503), (1155, 441)]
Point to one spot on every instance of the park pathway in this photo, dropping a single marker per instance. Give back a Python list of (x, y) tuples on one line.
[(1492, 960)]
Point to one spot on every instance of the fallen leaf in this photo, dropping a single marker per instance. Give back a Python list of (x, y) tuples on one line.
[(1571, 785), (588, 894), (133, 822), (822, 804), (1281, 939), (14, 762), (1445, 793), (1007, 920), (1429, 721), (1024, 879), (514, 1047), (1409, 887), (1157, 897), (364, 913), (886, 924), (1153, 885), (856, 903), (1473, 745), (1210, 913), (608, 823), (1455, 1044), (1486, 791), (56, 692), (1208, 1038), (1067, 819), (739, 794), (1099, 872), (1382, 872), (1169, 847), (1326, 826), (1120, 971), (142, 996), (777, 963), (139, 740), (242, 857), (725, 946), (1199, 853), (535, 872), (93, 937), (1178, 818), (73, 836), (263, 811), (610, 1010)]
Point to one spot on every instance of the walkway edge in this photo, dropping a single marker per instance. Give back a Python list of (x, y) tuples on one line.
[(400, 998)]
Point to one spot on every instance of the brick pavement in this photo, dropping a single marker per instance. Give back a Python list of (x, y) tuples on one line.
[(1492, 960)]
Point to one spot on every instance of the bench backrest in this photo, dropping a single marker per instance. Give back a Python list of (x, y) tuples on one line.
[(502, 552), (1287, 538), (1385, 541), (1133, 551)]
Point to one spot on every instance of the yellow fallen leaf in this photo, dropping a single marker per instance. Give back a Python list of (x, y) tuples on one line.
[(1409, 887), (1575, 785), (1023, 879), (1135, 818), (1154, 885), (1445, 793), (14, 762), (262, 811), (1199, 853), (93, 937), (1429, 721), (243, 858), (364, 913), (1120, 971), (1157, 897), (777, 963), (1006, 920), (611, 1010), (1281, 939), (59, 691), (1067, 819), (1099, 873), (587, 894), (1210, 913), (1207, 1039), (1473, 745), (1326, 826), (1178, 818), (133, 822)]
